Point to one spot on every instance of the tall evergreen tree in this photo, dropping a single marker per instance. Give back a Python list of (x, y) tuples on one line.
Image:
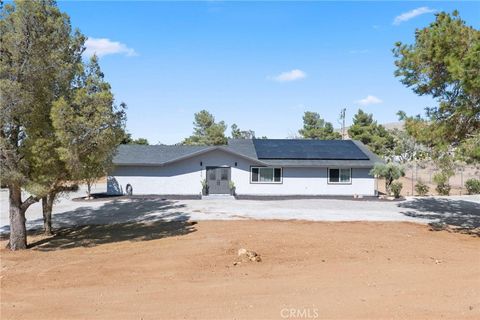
[(241, 134), (127, 139), (375, 136), (37, 51), (89, 126), (315, 127), (443, 63), (206, 131)]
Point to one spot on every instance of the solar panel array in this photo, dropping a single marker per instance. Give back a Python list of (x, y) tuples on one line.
[(308, 149)]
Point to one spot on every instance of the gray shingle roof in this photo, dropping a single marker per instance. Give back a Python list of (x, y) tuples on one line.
[(141, 154), (243, 146), (161, 154)]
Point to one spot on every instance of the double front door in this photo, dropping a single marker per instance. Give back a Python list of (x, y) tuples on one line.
[(218, 180)]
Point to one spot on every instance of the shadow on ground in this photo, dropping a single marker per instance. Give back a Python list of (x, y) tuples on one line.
[(93, 235), (464, 215), (120, 211), (131, 220)]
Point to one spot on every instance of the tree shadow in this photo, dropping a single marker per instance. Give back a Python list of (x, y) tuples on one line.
[(460, 214), (93, 235), (118, 211), (120, 220)]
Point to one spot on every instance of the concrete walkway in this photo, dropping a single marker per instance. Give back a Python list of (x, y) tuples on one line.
[(459, 210)]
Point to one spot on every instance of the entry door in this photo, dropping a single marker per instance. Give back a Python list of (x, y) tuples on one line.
[(218, 179)]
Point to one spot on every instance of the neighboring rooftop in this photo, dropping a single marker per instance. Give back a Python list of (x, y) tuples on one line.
[(282, 152)]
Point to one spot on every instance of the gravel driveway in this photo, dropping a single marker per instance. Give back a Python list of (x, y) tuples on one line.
[(458, 210)]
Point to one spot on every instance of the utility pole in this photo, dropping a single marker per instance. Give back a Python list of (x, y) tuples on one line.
[(342, 122)]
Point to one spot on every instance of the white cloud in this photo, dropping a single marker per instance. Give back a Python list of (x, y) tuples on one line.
[(369, 100), (103, 46), (293, 75), (412, 14)]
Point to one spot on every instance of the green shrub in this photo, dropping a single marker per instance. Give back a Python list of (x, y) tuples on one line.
[(421, 188), (396, 188), (389, 172), (440, 178), (473, 186), (443, 187), (204, 186)]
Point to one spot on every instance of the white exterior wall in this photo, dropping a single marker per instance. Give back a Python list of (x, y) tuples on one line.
[(307, 181), (184, 178)]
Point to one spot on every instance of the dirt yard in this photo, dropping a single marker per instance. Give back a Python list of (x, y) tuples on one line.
[(180, 270)]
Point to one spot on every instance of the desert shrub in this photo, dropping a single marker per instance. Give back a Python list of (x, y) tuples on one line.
[(443, 187), (396, 188), (389, 172), (421, 188), (204, 186), (473, 186)]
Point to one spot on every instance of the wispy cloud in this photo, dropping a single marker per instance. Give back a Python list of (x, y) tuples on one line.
[(103, 46), (412, 14), (293, 75), (369, 100)]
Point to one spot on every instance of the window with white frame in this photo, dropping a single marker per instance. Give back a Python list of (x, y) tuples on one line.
[(266, 175), (339, 175)]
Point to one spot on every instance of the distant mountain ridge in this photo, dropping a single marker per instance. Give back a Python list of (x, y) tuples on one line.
[(389, 126), (394, 125)]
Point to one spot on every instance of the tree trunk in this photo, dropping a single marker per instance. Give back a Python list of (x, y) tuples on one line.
[(47, 206), (89, 188), (388, 183), (18, 230)]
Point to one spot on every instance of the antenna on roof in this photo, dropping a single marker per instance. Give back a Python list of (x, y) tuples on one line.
[(342, 121)]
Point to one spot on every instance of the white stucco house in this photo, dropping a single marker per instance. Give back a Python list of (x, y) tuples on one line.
[(257, 167)]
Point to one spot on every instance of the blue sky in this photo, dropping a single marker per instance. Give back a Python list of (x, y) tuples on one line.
[(259, 65)]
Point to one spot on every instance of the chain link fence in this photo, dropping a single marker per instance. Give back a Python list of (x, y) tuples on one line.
[(426, 172)]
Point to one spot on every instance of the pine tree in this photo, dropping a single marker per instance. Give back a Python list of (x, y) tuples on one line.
[(89, 126), (443, 63), (315, 127), (37, 54), (375, 136), (206, 131), (241, 134)]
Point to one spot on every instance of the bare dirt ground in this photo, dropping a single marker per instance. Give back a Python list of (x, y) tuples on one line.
[(172, 270), (426, 174), (455, 190)]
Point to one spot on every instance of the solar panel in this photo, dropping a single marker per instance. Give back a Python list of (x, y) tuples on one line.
[(308, 149)]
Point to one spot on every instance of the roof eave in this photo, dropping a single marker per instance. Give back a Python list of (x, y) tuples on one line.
[(191, 155), (373, 157)]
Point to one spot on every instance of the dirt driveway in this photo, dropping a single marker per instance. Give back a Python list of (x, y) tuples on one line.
[(185, 270), (462, 211)]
